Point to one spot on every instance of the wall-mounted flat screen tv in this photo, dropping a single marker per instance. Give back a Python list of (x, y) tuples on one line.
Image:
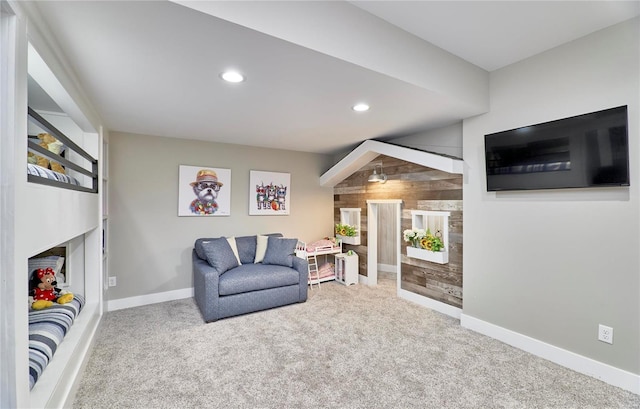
[(581, 151)]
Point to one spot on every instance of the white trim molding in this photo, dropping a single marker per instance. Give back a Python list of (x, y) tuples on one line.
[(140, 300), (587, 366), (364, 280), (439, 306), (387, 268), (384, 201), (370, 149)]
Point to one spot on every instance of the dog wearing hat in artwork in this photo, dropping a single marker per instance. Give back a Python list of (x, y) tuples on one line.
[(206, 188)]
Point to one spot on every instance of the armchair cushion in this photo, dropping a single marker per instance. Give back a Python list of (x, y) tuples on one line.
[(255, 277), (280, 251), (246, 248), (199, 249), (219, 254)]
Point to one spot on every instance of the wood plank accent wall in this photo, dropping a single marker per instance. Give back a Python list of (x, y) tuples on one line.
[(419, 188)]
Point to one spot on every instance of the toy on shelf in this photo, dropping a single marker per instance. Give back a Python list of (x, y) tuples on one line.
[(44, 290)]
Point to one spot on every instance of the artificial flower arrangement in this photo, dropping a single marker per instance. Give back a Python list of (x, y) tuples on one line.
[(345, 230), (420, 238)]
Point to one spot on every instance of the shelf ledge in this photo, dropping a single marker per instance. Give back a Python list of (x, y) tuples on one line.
[(355, 240), (439, 257)]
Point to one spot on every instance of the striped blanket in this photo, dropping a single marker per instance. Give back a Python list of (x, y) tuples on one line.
[(47, 328), (49, 174)]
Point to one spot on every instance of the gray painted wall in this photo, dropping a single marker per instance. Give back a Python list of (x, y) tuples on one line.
[(554, 264), (150, 246), (446, 140)]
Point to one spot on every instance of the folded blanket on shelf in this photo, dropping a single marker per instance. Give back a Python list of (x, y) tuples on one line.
[(326, 270)]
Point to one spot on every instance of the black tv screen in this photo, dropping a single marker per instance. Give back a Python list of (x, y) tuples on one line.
[(581, 151)]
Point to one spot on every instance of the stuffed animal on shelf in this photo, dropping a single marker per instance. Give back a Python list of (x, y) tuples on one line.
[(51, 144), (44, 290)]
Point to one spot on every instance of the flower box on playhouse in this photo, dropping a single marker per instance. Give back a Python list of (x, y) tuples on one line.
[(440, 257), (347, 234), (428, 236)]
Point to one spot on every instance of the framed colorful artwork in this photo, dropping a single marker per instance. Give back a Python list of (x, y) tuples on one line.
[(269, 193), (204, 191)]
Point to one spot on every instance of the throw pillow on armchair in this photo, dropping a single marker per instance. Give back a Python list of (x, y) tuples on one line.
[(280, 251)]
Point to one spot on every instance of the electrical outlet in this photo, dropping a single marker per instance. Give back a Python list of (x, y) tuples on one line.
[(112, 281), (605, 334)]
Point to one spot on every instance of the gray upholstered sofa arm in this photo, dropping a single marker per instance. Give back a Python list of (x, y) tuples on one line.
[(302, 267), (205, 288)]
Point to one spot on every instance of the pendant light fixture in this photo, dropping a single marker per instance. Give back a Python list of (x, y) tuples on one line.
[(378, 177)]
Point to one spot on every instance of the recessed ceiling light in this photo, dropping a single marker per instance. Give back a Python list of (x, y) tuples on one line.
[(360, 107), (232, 76)]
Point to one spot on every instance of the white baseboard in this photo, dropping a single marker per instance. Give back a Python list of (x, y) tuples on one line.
[(387, 268), (364, 280), (587, 366), (138, 301), (430, 303)]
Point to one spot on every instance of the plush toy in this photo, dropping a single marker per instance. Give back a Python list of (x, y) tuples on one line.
[(51, 144), (44, 290)]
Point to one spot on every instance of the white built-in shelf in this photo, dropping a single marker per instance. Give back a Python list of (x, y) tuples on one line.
[(350, 216), (438, 224)]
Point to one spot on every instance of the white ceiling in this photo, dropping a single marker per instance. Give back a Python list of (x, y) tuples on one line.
[(152, 68), (494, 34)]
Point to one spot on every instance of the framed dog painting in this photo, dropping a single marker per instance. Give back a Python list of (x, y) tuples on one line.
[(269, 193), (204, 191)]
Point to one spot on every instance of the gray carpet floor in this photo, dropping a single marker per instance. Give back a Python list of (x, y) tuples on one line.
[(346, 347)]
